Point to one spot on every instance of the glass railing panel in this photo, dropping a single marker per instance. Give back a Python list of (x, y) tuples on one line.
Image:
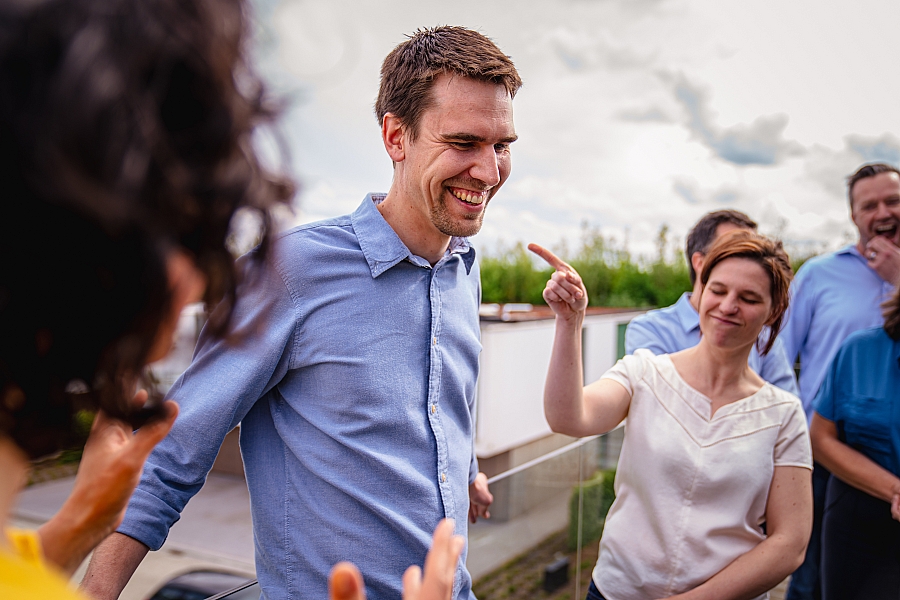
[(547, 517), (543, 536)]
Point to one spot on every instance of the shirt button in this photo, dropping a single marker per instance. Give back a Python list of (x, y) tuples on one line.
[(434, 341), (444, 477), (433, 409)]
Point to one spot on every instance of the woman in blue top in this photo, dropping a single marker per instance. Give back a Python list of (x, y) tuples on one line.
[(856, 435)]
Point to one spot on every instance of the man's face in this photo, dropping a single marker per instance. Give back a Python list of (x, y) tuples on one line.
[(461, 155), (875, 207)]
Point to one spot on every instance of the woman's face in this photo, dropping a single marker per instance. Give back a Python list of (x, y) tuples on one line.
[(735, 303)]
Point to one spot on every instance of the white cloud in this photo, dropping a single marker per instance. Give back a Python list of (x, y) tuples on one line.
[(581, 50), (780, 102), (830, 168), (758, 143)]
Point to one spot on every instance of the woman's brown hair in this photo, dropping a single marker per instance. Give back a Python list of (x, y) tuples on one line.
[(767, 253)]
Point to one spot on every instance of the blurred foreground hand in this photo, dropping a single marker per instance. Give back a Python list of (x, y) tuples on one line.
[(346, 582)]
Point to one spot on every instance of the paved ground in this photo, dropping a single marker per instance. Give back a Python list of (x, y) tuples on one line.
[(215, 533)]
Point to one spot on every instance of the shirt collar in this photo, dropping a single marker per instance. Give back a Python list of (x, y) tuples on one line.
[(852, 249), (383, 248), (687, 316)]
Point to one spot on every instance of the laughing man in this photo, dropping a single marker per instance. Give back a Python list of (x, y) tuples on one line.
[(833, 296), (353, 375)]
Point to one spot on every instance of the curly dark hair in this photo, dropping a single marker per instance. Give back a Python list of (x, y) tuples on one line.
[(125, 133), (770, 255), (409, 71)]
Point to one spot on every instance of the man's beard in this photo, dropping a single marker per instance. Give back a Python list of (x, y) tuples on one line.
[(446, 224)]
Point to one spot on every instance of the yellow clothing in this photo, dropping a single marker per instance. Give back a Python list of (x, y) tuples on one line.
[(25, 576)]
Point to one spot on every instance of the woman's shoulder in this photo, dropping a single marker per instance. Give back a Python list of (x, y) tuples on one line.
[(646, 356), (23, 573), (772, 396), (642, 360)]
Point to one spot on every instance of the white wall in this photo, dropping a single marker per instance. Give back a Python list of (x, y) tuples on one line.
[(514, 364)]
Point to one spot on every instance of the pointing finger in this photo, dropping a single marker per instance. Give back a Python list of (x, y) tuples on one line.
[(553, 260)]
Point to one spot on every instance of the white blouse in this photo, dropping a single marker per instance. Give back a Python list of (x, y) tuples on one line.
[(691, 490)]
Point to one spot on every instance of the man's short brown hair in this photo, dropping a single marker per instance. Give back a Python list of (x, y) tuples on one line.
[(702, 235), (408, 72), (865, 171)]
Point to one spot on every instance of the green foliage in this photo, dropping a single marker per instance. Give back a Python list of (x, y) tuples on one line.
[(511, 277), (609, 490), (81, 424), (610, 274), (597, 497)]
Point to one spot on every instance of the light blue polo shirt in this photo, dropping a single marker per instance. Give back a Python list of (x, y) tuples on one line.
[(677, 327), (832, 296)]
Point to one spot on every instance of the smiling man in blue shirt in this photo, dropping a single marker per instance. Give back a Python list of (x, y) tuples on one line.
[(677, 327), (353, 374), (833, 296)]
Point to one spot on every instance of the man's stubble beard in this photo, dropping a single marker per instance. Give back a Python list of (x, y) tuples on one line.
[(444, 223)]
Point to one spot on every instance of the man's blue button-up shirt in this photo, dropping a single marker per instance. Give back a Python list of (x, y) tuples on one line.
[(832, 296), (861, 395), (352, 372), (677, 327)]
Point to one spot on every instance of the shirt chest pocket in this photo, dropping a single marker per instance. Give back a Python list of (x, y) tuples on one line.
[(868, 421)]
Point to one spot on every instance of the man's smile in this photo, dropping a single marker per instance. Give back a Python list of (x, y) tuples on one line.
[(469, 196), (886, 229)]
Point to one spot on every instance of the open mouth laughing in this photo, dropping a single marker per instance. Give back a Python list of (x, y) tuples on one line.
[(888, 230)]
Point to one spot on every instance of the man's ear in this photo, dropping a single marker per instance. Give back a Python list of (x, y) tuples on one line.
[(697, 260), (393, 136)]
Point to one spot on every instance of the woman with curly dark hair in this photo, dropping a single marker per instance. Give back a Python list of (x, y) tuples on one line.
[(125, 150)]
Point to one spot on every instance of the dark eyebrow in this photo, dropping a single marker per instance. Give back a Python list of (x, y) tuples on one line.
[(469, 137)]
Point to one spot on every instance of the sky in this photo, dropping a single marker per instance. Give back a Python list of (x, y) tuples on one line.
[(634, 113)]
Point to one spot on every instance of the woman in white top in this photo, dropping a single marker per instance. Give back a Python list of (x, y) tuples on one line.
[(711, 451)]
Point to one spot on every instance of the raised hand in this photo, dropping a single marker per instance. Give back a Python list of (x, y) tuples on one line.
[(884, 257), (346, 582), (440, 567), (110, 469), (565, 293)]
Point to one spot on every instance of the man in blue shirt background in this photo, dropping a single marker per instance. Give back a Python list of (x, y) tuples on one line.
[(355, 353), (677, 327), (834, 295)]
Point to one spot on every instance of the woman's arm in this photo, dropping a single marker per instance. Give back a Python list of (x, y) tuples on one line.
[(569, 407), (110, 469), (849, 465), (789, 514)]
